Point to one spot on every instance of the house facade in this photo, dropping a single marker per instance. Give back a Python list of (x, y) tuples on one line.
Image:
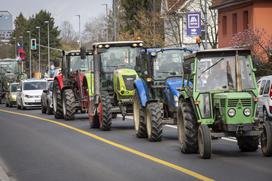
[(236, 16)]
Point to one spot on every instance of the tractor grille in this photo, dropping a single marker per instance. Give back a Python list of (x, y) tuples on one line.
[(129, 81), (223, 102), (244, 102)]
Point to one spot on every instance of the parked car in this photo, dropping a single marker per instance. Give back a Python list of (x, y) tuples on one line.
[(47, 103), (265, 97), (11, 94), (29, 93)]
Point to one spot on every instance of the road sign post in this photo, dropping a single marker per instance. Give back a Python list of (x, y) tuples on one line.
[(193, 23)]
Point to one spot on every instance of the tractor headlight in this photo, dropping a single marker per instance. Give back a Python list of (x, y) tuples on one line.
[(231, 112), (247, 112)]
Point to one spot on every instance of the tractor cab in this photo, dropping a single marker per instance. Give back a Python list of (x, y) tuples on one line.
[(221, 103), (114, 76)]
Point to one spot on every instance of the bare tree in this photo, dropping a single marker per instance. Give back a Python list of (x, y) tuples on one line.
[(68, 36)]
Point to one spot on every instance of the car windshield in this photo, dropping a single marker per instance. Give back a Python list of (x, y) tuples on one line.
[(169, 63), (13, 87), (34, 85), (76, 63), (218, 73), (119, 57), (8, 67)]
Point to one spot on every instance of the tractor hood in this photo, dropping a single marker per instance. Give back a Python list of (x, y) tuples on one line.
[(125, 71), (233, 95)]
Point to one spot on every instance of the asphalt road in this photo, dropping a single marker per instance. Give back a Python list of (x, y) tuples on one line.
[(42, 148)]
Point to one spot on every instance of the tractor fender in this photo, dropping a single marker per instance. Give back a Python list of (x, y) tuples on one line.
[(59, 78), (142, 91)]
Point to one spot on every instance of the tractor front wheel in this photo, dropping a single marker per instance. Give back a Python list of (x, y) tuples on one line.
[(154, 122), (187, 128), (94, 120), (266, 139), (68, 104), (139, 118), (204, 142), (105, 114), (248, 143)]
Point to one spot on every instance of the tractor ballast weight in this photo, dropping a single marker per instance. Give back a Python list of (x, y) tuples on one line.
[(221, 102), (72, 87), (114, 75), (157, 90)]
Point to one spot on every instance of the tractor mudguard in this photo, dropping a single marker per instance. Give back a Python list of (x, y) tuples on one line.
[(60, 81), (142, 90)]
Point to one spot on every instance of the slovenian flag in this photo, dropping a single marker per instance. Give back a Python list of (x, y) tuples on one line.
[(21, 52)]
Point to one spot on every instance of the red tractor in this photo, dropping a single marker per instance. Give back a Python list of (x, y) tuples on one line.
[(71, 88)]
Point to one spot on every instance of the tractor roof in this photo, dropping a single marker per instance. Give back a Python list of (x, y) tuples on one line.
[(124, 43), (150, 50), (77, 53), (218, 50)]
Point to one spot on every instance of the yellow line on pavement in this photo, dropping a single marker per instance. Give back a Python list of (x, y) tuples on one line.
[(120, 146)]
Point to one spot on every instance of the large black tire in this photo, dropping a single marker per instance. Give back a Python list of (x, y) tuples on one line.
[(57, 102), (187, 128), (139, 118), (248, 143), (94, 123), (154, 122), (266, 139), (204, 142), (106, 113), (68, 104)]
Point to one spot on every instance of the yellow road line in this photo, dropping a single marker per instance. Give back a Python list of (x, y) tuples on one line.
[(120, 146)]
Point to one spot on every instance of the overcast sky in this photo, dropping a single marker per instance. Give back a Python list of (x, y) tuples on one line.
[(61, 9)]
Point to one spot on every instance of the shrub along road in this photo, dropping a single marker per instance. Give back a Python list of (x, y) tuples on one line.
[(38, 147)]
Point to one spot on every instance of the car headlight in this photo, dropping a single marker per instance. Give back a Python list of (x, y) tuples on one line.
[(231, 112), (247, 112)]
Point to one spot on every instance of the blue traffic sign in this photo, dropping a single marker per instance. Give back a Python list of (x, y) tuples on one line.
[(193, 23)]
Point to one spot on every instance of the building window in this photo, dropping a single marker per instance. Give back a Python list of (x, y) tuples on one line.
[(234, 23), (224, 25), (245, 20)]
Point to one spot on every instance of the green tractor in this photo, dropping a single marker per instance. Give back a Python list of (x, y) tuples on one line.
[(114, 76), (221, 102)]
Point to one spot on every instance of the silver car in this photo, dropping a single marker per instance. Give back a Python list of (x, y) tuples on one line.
[(265, 97), (47, 103)]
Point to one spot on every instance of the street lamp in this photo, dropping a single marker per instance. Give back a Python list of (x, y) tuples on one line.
[(107, 22), (79, 30), (48, 45), (30, 62), (39, 34)]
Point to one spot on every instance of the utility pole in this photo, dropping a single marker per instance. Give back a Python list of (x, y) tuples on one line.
[(114, 20), (30, 62), (39, 34), (107, 22), (79, 30), (48, 43), (206, 25)]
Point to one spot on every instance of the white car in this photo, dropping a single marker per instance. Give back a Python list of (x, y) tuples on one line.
[(265, 97), (29, 93)]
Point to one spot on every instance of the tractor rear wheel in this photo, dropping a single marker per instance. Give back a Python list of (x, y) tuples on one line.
[(57, 102), (187, 128), (204, 142), (105, 116), (248, 143), (154, 122), (266, 139), (139, 117), (94, 121), (68, 104)]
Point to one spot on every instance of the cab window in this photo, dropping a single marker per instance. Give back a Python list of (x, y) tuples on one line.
[(262, 87), (267, 87)]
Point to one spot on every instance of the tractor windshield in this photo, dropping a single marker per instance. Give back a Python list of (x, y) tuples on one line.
[(220, 73), (8, 67), (76, 63), (169, 63), (115, 57)]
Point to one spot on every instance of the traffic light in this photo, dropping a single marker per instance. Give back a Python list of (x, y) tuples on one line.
[(33, 44)]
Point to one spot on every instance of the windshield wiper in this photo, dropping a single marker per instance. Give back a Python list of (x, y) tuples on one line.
[(212, 65)]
